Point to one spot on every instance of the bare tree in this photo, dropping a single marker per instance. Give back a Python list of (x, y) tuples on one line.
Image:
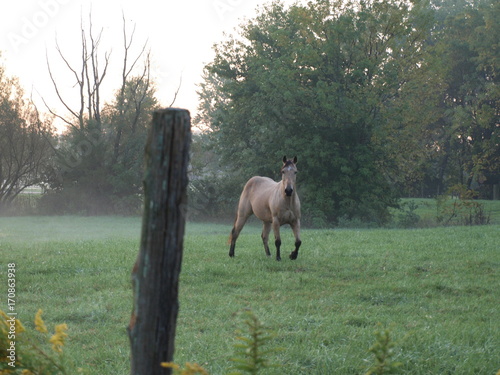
[(126, 104), (90, 74), (99, 131)]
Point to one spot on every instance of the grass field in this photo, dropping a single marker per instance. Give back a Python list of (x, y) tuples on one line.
[(437, 289)]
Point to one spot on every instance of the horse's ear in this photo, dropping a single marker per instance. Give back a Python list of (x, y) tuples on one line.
[(294, 160), (284, 159)]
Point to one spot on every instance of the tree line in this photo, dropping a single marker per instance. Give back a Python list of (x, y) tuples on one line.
[(378, 99)]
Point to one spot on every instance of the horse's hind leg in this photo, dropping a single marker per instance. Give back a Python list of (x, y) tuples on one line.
[(244, 212), (235, 232), (265, 237)]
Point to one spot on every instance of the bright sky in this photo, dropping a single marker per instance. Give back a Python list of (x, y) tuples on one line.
[(179, 34)]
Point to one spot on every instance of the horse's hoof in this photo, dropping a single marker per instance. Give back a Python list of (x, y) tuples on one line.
[(278, 259), (293, 255)]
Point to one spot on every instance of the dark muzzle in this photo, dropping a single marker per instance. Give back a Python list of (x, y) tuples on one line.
[(288, 191)]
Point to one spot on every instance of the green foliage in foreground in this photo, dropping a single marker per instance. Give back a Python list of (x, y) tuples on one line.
[(437, 287), (251, 350), (27, 353)]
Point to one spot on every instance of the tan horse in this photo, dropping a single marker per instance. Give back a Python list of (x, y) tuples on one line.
[(275, 203)]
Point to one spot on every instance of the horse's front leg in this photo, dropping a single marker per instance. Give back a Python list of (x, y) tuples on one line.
[(277, 242), (265, 237), (296, 232)]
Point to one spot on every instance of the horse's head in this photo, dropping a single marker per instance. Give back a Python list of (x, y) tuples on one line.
[(288, 175)]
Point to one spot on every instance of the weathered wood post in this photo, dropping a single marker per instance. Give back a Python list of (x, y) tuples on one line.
[(155, 275)]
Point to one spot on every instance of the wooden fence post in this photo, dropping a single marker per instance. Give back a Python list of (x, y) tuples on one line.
[(155, 275)]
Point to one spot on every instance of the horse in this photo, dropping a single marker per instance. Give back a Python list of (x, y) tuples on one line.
[(275, 203)]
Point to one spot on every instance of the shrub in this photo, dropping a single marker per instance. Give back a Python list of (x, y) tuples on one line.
[(251, 355), (22, 353), (383, 350), (463, 210), (250, 352), (407, 218)]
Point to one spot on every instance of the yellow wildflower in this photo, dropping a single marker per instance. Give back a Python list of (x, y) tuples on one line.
[(4, 328), (39, 324), (3, 324), (57, 340), (19, 326), (171, 365), (27, 372), (194, 368)]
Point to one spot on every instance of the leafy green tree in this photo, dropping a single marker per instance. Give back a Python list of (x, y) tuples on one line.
[(313, 81), (467, 46), (126, 122), (439, 129)]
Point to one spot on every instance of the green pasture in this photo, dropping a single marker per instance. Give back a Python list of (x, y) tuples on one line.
[(436, 289)]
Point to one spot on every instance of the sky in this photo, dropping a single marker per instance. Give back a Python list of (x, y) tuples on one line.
[(180, 36)]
